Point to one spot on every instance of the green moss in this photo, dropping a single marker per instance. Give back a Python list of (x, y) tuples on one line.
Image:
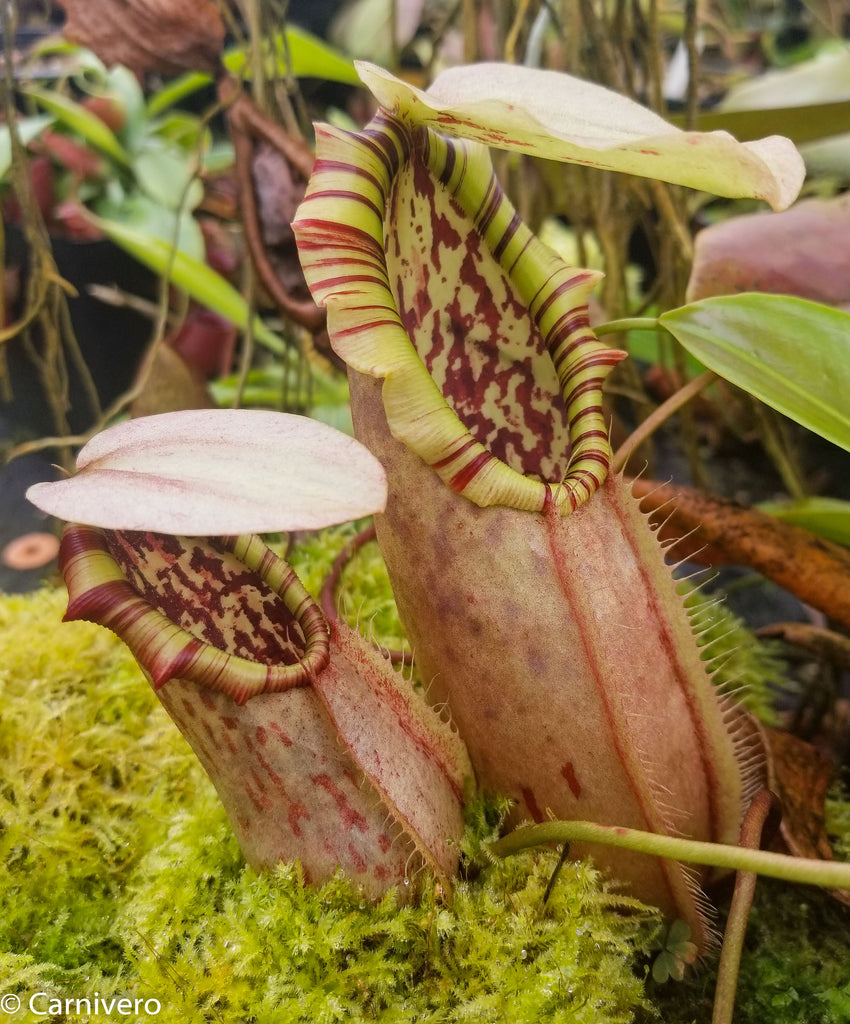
[(795, 969), (743, 666), (122, 877)]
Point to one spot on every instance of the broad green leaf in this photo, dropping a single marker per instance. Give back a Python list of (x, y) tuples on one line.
[(827, 517), (86, 124), (790, 353), (558, 117), (123, 86), (176, 90), (194, 276), (217, 472), (29, 128), (153, 220), (181, 128), (308, 57), (165, 173)]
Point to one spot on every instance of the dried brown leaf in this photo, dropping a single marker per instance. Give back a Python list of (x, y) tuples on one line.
[(167, 36), (801, 776)]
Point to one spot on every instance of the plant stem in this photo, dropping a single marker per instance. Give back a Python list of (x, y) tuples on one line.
[(742, 900), (627, 323), (659, 416), (829, 874)]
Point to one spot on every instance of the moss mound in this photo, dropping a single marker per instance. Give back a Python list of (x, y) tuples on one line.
[(121, 878)]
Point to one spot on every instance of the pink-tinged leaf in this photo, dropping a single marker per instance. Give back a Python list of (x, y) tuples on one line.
[(557, 117), (802, 252), (217, 472)]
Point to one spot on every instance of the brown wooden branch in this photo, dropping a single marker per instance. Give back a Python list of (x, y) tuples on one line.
[(722, 531), (328, 595)]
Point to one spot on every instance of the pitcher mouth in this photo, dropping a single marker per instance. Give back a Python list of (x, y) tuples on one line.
[(179, 605), (496, 382)]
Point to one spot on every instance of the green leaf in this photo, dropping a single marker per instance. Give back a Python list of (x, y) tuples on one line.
[(182, 129), (194, 276), (86, 124), (308, 56), (827, 517), (123, 86), (647, 347), (29, 128), (557, 117), (798, 123), (790, 353), (166, 174), (176, 90), (153, 220)]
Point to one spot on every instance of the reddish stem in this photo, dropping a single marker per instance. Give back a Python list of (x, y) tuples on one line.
[(246, 123), (327, 597)]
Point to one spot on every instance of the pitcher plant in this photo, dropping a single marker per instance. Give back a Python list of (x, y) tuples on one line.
[(300, 725), (541, 609), (534, 592)]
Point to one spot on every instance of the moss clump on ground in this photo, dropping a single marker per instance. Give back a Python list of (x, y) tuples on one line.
[(121, 876), (795, 969)]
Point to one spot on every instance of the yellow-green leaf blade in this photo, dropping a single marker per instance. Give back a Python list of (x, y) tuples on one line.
[(557, 117), (308, 57), (827, 517), (790, 353), (196, 278), (76, 117)]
